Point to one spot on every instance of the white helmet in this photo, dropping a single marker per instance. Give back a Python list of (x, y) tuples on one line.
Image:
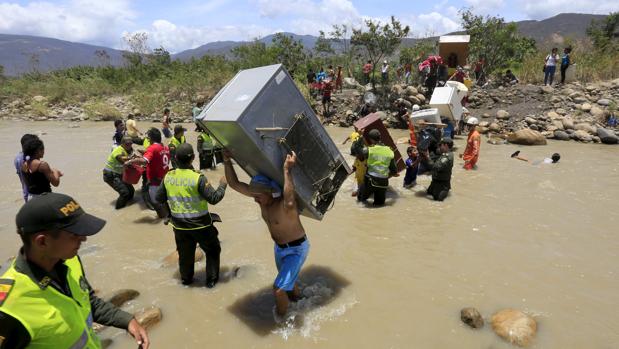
[(472, 121), (416, 107)]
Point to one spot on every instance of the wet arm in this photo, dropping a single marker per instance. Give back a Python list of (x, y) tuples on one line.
[(290, 201), (233, 180), (207, 191)]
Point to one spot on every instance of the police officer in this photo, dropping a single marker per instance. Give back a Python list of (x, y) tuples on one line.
[(380, 166), (45, 299), (205, 149), (113, 172), (441, 170), (188, 194), (177, 140)]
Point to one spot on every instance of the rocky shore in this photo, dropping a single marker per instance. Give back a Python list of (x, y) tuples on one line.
[(574, 111)]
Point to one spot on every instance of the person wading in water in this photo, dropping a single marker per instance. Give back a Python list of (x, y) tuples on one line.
[(281, 215)]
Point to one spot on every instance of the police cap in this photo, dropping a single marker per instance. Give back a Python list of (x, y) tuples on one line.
[(55, 211)]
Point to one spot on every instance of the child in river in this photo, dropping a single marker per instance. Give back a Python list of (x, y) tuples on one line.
[(412, 164)]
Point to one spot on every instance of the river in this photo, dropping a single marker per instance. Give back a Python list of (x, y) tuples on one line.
[(542, 239)]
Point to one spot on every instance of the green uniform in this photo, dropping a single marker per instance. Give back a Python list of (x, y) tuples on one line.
[(185, 201), (441, 175), (205, 150), (379, 158), (380, 165), (206, 142), (174, 143), (39, 311), (112, 164), (112, 175), (188, 194)]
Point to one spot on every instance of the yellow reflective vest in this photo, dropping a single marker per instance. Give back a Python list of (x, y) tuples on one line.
[(53, 319), (175, 142), (379, 158), (184, 199), (112, 163), (207, 141)]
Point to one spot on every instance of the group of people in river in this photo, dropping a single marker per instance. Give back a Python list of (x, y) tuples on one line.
[(429, 152), (47, 276)]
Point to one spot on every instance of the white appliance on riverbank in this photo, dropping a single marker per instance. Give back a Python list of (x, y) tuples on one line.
[(448, 102), (260, 116)]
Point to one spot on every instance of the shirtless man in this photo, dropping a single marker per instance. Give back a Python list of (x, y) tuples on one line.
[(281, 215)]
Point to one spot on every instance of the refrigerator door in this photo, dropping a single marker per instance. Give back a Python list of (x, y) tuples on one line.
[(260, 116)]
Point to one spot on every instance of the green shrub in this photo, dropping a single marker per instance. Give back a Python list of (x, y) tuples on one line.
[(102, 110), (39, 108)]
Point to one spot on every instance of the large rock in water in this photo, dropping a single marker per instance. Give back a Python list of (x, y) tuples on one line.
[(148, 317), (172, 258), (120, 297), (526, 137), (514, 326), (607, 136)]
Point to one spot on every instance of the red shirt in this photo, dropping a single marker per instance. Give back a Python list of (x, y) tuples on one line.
[(326, 92), (158, 158)]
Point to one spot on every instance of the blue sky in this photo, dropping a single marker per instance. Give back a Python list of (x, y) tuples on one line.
[(183, 24)]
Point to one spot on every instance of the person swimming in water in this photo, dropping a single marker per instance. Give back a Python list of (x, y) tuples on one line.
[(281, 214), (552, 160)]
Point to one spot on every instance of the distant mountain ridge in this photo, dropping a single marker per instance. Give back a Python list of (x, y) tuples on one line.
[(21, 54), (225, 47)]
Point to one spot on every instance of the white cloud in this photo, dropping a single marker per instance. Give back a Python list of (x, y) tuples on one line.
[(77, 20), (308, 16), (435, 23), (176, 38), (485, 6), (544, 9)]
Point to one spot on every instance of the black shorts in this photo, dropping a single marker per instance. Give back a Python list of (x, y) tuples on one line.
[(326, 99)]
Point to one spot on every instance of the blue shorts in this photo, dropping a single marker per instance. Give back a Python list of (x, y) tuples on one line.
[(289, 261)]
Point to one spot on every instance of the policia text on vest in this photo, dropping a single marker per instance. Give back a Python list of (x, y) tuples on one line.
[(188, 195), (380, 166)]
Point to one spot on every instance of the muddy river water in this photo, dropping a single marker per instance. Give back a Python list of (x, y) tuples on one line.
[(543, 239)]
